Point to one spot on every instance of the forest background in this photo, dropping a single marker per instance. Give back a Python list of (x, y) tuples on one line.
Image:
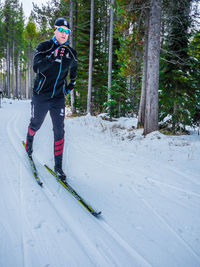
[(135, 57)]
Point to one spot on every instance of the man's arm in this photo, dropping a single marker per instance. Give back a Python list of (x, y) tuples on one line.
[(73, 73), (41, 60)]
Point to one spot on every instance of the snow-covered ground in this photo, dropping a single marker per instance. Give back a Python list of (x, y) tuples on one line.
[(148, 190)]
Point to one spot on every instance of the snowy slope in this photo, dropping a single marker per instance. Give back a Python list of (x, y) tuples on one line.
[(147, 188)]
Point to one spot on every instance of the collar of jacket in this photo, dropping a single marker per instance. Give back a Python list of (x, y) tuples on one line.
[(56, 42)]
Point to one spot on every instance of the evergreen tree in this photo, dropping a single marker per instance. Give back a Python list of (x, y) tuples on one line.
[(2, 76), (71, 41), (11, 29), (82, 47), (175, 77), (194, 51), (100, 64), (129, 31), (2, 44), (19, 47), (90, 57), (31, 41)]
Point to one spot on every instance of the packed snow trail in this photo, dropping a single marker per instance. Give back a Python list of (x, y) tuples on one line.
[(149, 194)]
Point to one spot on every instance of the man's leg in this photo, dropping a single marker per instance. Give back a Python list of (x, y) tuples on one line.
[(39, 109), (57, 113)]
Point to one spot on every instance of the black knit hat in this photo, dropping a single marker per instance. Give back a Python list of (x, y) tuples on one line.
[(61, 22)]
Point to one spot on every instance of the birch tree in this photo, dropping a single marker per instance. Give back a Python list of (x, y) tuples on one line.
[(90, 57)]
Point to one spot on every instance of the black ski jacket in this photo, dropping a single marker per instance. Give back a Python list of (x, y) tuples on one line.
[(51, 72)]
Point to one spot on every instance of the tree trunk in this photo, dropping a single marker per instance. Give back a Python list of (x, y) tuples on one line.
[(17, 76), (76, 23), (8, 69), (90, 57), (2, 83), (26, 82), (32, 73), (71, 44), (110, 49), (151, 110), (71, 11), (20, 80), (141, 114), (13, 69)]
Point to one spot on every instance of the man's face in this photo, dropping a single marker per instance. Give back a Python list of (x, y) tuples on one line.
[(61, 37)]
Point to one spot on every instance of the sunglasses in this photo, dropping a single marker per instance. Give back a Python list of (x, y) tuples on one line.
[(60, 29)]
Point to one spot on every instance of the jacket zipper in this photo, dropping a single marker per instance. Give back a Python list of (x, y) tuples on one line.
[(54, 88)]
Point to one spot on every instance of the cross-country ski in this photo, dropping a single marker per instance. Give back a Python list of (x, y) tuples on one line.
[(33, 167), (74, 193)]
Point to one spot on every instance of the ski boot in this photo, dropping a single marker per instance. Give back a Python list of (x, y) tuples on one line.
[(29, 145), (60, 174)]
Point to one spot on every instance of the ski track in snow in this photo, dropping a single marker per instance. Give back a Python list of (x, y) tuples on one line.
[(98, 242), (12, 137), (28, 257), (97, 254), (172, 187)]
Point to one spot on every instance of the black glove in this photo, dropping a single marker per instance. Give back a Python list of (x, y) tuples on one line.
[(69, 87), (61, 51), (58, 53)]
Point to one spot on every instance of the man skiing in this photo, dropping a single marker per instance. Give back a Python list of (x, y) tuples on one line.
[(53, 59)]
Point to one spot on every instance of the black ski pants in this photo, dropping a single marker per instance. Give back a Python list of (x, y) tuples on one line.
[(40, 105)]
